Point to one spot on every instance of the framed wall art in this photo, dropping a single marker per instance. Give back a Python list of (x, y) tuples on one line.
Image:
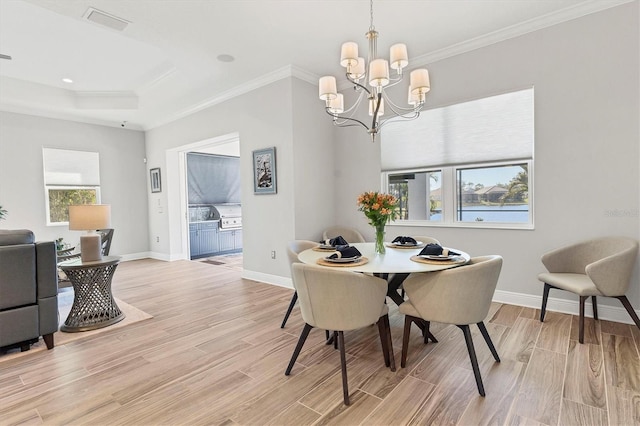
[(264, 171), (156, 182)]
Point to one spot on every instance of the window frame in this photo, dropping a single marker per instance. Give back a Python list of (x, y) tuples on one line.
[(450, 199), (48, 188)]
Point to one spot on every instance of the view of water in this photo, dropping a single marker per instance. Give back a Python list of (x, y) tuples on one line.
[(505, 214)]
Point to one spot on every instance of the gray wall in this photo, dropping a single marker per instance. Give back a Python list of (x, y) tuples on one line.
[(586, 77), (122, 176), (303, 156)]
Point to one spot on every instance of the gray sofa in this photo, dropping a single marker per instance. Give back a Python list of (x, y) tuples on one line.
[(28, 289)]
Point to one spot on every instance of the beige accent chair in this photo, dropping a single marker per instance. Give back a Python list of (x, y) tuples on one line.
[(341, 300), (293, 249), (350, 234), (459, 296), (598, 267)]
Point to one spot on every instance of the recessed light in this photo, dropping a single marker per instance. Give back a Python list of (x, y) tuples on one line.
[(67, 80), (225, 58)]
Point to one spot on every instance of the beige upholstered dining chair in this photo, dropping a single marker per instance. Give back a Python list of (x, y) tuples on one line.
[(459, 296), (350, 234), (293, 249), (598, 267), (341, 300), (426, 240)]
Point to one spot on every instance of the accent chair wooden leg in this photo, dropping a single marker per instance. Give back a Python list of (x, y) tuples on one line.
[(48, 340), (629, 308), (305, 332), (545, 296), (595, 307), (405, 340), (487, 339), (384, 341), (291, 305), (343, 366), (583, 299), (392, 358), (472, 356)]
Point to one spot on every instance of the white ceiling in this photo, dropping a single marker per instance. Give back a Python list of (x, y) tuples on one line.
[(164, 64)]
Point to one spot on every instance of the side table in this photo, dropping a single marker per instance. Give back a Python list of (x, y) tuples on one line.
[(93, 304)]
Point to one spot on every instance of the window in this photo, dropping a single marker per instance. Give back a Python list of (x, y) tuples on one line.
[(468, 164), (425, 188), (493, 194), (70, 177)]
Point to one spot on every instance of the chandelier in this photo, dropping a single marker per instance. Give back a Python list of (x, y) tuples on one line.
[(375, 73)]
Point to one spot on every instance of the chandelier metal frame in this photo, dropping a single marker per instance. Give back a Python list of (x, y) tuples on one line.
[(375, 72)]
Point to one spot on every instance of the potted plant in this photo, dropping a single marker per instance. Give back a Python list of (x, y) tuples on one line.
[(3, 213)]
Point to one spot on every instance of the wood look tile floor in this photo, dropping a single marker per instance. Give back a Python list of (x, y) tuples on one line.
[(214, 353)]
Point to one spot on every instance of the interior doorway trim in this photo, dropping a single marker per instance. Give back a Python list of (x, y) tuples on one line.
[(177, 166)]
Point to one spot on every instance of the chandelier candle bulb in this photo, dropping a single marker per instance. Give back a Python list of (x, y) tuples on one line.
[(327, 88), (378, 73), (398, 56), (349, 54)]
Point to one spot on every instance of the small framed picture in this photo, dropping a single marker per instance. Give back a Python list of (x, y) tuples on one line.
[(264, 171), (156, 182)]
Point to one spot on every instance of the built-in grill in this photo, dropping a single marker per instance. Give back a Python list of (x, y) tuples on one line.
[(229, 215)]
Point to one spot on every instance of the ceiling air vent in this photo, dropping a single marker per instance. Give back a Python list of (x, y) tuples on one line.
[(106, 19)]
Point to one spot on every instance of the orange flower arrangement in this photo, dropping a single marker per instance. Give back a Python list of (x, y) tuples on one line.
[(378, 208)]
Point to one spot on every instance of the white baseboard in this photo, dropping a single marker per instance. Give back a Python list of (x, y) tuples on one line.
[(268, 278), (605, 312)]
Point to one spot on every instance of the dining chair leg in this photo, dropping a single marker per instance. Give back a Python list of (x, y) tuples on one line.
[(291, 305), (487, 339), (583, 299), (384, 341), (629, 308), (405, 340), (545, 296), (335, 340), (472, 356), (305, 332), (343, 366), (595, 307), (392, 358)]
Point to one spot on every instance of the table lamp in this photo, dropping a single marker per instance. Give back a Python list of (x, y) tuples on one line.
[(90, 217)]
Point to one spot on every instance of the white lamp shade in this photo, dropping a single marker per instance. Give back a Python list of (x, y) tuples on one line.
[(327, 88), (398, 56), (357, 71), (336, 106), (89, 217), (372, 107), (378, 73), (420, 81), (349, 54)]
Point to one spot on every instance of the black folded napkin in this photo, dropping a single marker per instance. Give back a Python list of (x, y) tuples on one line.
[(437, 250), (334, 242), (404, 240), (345, 251)]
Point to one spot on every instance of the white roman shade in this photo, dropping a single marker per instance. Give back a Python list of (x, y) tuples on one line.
[(497, 128), (64, 167)]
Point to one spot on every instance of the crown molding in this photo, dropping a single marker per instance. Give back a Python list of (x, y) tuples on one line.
[(573, 12)]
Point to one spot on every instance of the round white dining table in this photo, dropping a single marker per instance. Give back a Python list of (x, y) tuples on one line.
[(394, 261)]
